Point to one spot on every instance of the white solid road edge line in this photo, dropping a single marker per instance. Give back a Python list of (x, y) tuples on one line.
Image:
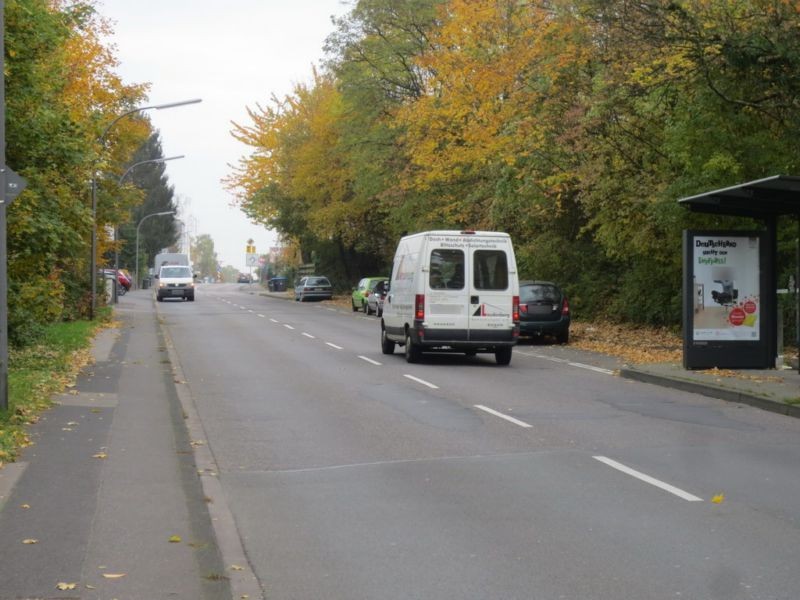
[(491, 411), (647, 479), (422, 381), (334, 346), (567, 362), (370, 361), (591, 368)]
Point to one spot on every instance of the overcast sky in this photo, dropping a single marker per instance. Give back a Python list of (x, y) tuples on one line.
[(233, 55)]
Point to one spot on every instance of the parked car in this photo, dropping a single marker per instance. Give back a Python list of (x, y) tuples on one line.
[(543, 310), (377, 297), (124, 280), (313, 287), (360, 293)]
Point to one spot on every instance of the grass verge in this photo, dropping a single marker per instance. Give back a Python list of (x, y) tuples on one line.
[(37, 372)]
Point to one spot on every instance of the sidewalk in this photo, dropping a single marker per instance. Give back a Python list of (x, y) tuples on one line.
[(110, 481), (773, 390)]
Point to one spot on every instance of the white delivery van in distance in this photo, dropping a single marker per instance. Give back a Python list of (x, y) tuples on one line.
[(453, 291)]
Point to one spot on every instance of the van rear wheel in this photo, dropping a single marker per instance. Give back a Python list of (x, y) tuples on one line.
[(503, 355), (387, 345), (413, 352)]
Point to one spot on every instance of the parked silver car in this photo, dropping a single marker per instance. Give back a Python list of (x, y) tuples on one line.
[(313, 287)]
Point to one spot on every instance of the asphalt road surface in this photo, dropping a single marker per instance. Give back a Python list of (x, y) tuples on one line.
[(354, 475)]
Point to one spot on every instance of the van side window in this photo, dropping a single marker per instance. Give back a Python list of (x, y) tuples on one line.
[(447, 270), (490, 270)]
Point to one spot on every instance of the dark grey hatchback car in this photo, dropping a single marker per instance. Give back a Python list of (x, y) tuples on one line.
[(543, 310)]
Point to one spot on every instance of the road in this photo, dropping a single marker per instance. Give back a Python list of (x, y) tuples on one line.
[(354, 475)]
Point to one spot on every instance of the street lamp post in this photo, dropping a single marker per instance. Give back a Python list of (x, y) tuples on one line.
[(116, 228), (102, 140), (167, 212)]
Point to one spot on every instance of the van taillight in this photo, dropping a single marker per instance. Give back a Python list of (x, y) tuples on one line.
[(565, 307), (419, 307), (515, 309)]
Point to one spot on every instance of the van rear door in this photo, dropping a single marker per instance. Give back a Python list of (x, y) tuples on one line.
[(446, 297), (490, 289)]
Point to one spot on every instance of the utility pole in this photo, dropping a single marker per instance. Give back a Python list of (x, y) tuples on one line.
[(11, 185), (3, 253)]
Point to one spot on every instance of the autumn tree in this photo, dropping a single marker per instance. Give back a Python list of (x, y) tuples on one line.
[(572, 124), (205, 258), (60, 91)]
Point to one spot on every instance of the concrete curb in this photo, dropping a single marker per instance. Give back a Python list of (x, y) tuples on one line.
[(711, 391), (243, 580)]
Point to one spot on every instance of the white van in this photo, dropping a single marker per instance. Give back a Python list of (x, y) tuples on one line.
[(175, 281), (453, 291)]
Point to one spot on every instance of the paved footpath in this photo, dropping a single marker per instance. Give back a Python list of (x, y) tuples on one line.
[(110, 480)]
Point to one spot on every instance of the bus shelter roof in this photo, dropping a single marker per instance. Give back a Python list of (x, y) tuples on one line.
[(771, 196)]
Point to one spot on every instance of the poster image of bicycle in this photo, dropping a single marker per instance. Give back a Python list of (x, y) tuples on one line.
[(726, 290)]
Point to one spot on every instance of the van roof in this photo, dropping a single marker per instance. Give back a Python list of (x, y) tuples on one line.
[(456, 232)]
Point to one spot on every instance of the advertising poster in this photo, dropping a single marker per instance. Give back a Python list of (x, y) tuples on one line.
[(727, 298)]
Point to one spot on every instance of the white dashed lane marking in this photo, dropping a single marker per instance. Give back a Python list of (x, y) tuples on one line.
[(491, 411), (647, 479), (334, 346), (422, 381), (370, 361)]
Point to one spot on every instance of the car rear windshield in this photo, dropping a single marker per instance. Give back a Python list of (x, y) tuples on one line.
[(539, 293), (317, 281), (176, 272), (490, 270)]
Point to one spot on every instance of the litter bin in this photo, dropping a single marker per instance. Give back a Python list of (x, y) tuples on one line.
[(277, 284), (145, 283)]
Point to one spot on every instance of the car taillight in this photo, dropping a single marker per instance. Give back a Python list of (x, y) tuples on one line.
[(565, 307), (515, 309), (419, 307)]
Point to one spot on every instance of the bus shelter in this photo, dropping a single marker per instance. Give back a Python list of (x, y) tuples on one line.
[(730, 302)]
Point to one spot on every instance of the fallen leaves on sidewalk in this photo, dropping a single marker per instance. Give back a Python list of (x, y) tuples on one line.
[(635, 345), (175, 539), (30, 541), (114, 575), (100, 455), (718, 499), (717, 373)]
